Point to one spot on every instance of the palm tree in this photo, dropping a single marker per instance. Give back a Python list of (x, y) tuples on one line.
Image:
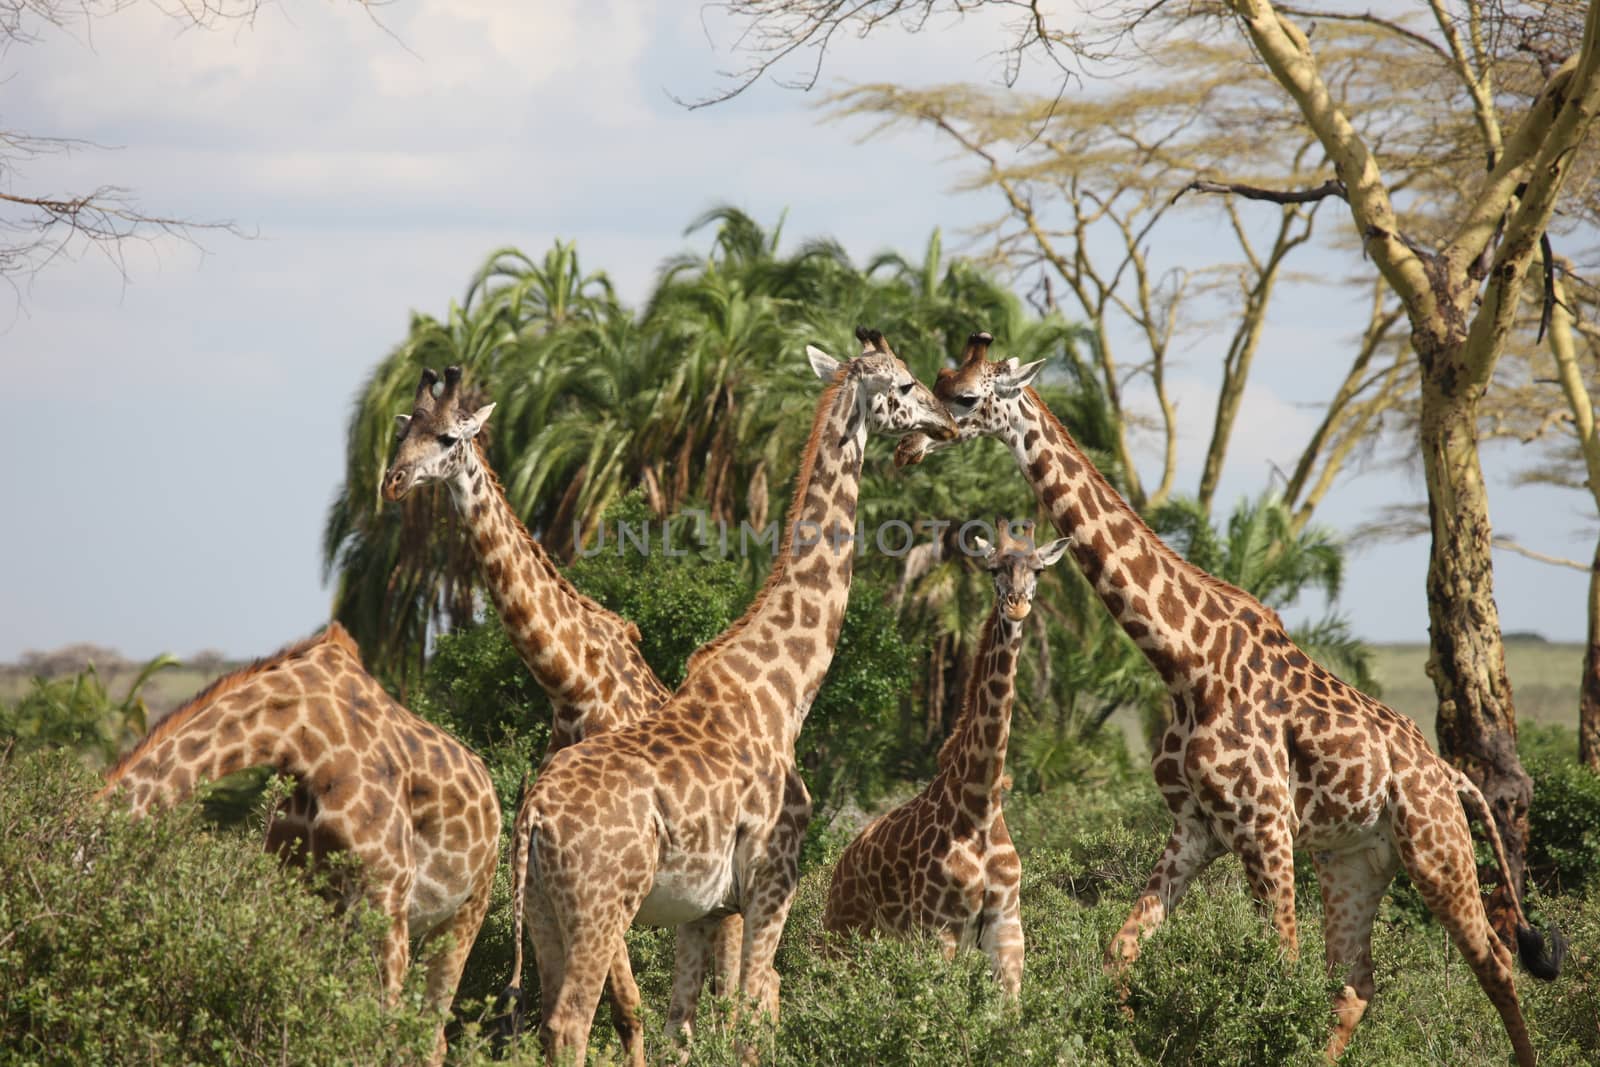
[(406, 570)]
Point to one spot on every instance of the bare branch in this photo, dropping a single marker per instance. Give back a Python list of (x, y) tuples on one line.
[(775, 31), (1331, 187), (1508, 545)]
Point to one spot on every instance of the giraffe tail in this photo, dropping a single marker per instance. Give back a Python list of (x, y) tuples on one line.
[(1541, 956), (508, 1006)]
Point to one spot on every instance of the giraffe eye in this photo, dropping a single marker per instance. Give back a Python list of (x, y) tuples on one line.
[(448, 440), (905, 389)]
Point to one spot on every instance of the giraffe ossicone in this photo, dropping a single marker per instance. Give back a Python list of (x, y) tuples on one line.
[(414, 805), (699, 811), (1267, 751), (943, 861)]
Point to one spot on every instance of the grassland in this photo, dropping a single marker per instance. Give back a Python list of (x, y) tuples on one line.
[(1544, 681)]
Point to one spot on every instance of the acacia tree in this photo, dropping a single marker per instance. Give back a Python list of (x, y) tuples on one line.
[(1460, 287), (1091, 187)]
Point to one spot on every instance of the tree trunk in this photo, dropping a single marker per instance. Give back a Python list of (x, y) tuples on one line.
[(1477, 722), (1589, 700)]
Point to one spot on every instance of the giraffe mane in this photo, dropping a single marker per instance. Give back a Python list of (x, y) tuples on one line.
[(1196, 574), (587, 603), (333, 634), (780, 566)]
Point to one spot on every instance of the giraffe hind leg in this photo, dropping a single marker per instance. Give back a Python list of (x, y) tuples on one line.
[(1446, 875), (1352, 884), (444, 970), (625, 1002)]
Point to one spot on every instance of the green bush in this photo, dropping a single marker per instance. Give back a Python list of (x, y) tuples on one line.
[(159, 941), (80, 714), (1564, 819)]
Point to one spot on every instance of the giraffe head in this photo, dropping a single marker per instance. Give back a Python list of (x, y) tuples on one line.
[(890, 398), (435, 438), (983, 397), (1015, 564)]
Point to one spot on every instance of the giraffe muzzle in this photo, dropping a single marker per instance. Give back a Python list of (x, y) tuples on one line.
[(1017, 610), (397, 483)]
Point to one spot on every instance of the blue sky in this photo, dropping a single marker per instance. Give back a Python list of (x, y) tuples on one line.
[(175, 425)]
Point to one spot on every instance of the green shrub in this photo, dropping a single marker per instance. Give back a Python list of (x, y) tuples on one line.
[(159, 941), (1564, 819), (678, 602), (80, 714)]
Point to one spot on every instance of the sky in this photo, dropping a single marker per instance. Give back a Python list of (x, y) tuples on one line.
[(176, 422)]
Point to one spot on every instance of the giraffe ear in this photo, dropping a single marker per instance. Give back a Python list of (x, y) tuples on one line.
[(402, 423), (473, 423), (1016, 378), (986, 551), (1049, 554), (826, 367)]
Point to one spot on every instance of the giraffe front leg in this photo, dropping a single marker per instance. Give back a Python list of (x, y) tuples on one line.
[(396, 957), (1002, 942), (1190, 849), (692, 953), (1266, 850), (729, 955), (765, 915)]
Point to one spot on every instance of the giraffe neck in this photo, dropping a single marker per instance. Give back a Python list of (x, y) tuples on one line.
[(791, 627), (288, 712), (1170, 607), (973, 762), (564, 637)]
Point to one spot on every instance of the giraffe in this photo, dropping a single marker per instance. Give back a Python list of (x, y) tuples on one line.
[(414, 805), (943, 861), (699, 810), (585, 658), (1267, 751)]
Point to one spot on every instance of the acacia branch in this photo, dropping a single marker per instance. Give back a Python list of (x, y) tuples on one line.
[(1401, 31), (773, 31), (1331, 187), (1522, 550), (1572, 118), (1287, 54)]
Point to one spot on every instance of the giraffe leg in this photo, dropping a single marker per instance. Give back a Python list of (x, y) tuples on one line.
[(591, 950), (1267, 853), (444, 970), (396, 957), (625, 1001), (1352, 884), (692, 951), (771, 876), (549, 948), (1001, 941), (1190, 850), (1446, 875), (729, 956)]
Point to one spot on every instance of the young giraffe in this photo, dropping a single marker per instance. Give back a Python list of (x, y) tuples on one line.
[(943, 860), (699, 811), (584, 657), (410, 802), (1267, 751)]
